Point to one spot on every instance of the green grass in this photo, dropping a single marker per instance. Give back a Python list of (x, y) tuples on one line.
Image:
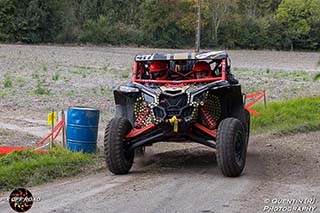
[(56, 76), (289, 116), (35, 75), (40, 89), (25, 168), (44, 68), (4, 93), (125, 75), (21, 81), (82, 71), (293, 76), (7, 82)]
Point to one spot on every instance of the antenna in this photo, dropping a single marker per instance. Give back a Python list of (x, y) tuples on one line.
[(198, 31)]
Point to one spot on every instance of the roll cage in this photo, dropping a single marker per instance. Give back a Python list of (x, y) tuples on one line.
[(219, 58)]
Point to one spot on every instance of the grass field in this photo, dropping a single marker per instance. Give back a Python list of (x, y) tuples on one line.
[(26, 168), (288, 116)]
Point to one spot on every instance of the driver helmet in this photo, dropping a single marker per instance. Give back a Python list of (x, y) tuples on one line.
[(159, 70), (201, 69)]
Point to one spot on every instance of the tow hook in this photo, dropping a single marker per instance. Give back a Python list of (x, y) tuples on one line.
[(174, 121)]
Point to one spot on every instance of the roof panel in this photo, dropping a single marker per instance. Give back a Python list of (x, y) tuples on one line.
[(183, 56)]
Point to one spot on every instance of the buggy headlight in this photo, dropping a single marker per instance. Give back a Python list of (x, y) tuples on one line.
[(128, 89)]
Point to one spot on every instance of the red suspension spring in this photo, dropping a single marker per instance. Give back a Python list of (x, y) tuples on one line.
[(208, 119), (140, 121)]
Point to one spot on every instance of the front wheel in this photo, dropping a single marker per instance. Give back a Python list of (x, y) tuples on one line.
[(119, 159), (231, 147)]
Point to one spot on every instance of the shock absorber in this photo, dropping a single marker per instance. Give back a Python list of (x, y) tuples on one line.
[(208, 119), (141, 119)]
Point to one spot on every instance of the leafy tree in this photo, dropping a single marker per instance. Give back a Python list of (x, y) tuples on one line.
[(219, 12), (276, 24), (7, 27), (275, 5), (297, 16), (31, 20), (255, 8), (159, 22), (123, 11)]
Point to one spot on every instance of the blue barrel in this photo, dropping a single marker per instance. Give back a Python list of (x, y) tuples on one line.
[(82, 129)]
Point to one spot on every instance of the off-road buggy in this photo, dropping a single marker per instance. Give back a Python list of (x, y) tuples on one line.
[(207, 110)]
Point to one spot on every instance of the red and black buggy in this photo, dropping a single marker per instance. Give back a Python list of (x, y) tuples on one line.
[(177, 98)]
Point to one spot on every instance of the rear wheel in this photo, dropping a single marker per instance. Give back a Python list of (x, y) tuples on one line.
[(118, 158), (231, 147)]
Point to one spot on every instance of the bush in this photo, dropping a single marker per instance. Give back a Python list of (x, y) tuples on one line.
[(99, 31)]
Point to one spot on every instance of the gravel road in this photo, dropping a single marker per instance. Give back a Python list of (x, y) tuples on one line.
[(187, 179), (171, 177)]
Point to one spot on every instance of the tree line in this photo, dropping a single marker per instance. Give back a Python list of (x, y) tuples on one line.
[(248, 24)]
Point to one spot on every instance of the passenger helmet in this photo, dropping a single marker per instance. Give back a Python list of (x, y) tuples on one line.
[(201, 69), (159, 70)]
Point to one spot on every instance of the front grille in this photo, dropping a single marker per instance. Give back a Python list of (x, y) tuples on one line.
[(173, 105), (159, 113), (187, 113)]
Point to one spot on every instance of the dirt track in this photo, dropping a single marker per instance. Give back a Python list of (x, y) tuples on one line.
[(172, 177), (188, 180)]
